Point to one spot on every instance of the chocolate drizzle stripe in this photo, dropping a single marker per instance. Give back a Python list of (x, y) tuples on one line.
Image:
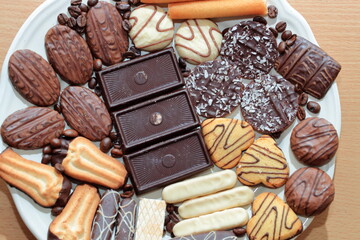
[(146, 23), (155, 43), (160, 21)]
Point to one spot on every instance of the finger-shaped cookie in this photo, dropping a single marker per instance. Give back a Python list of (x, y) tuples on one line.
[(125, 229), (74, 222), (263, 163), (272, 219), (86, 162), (227, 219), (213, 235), (236, 197), (41, 182), (226, 139)]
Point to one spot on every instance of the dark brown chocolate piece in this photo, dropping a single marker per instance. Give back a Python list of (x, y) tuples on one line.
[(69, 54), (85, 112), (215, 88), (126, 219), (139, 79), (34, 78), (214, 235), (308, 66), (167, 162), (309, 191), (251, 46), (32, 127), (104, 33), (155, 120), (314, 141), (269, 104), (105, 218)]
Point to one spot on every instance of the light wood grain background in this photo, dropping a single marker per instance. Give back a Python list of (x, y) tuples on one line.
[(336, 25)]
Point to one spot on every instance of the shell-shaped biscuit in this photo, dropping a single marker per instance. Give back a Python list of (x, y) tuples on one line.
[(32, 127), (85, 112), (263, 163), (69, 54), (226, 139), (34, 78)]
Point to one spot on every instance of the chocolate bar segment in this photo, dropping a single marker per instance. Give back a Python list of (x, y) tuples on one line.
[(156, 119), (139, 79), (309, 67), (167, 162)]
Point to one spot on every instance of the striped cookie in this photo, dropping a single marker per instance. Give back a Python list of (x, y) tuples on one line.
[(263, 163), (226, 139)]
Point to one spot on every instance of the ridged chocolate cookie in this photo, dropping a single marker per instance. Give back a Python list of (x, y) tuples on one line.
[(85, 112), (34, 78), (32, 127), (104, 33), (69, 54)]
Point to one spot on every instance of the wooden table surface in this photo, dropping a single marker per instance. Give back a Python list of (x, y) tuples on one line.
[(336, 25)]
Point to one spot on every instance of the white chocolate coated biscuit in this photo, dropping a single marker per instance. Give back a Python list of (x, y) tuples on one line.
[(199, 186), (152, 29), (198, 41), (227, 219), (236, 197)]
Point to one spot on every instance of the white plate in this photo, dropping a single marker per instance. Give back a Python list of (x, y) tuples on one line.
[(31, 36)]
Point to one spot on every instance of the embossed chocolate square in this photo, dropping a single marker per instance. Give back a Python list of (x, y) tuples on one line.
[(155, 120), (139, 79), (167, 162), (306, 65)]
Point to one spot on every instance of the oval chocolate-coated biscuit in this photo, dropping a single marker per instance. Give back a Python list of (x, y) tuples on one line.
[(32, 127), (69, 54), (34, 78), (85, 112), (104, 33)]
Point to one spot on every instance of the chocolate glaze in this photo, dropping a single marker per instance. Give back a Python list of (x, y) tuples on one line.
[(126, 219), (309, 191), (52, 236), (214, 235), (314, 141), (64, 193)]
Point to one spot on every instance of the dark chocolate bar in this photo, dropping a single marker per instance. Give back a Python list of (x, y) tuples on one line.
[(167, 162), (142, 78), (154, 120)]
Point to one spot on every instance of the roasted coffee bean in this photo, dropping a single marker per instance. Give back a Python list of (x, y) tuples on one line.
[(47, 150), (62, 18), (301, 114), (134, 2), (106, 144), (276, 135), (81, 21), (84, 8), (169, 226), (167, 220), (313, 107), (129, 55), (128, 187), (174, 218), (97, 64), (79, 30), (281, 26), (97, 91), (70, 133), (92, 3), (116, 153), (239, 232), (176, 209), (55, 143), (46, 159), (127, 194), (185, 74), (74, 11), (92, 83), (170, 208), (224, 31), (126, 15), (113, 136), (71, 23), (136, 51), (126, 25), (274, 32), (182, 63), (117, 146), (286, 35), (260, 19), (303, 99), (298, 89), (291, 40), (122, 7), (56, 211), (282, 47), (272, 11), (59, 167), (75, 2), (57, 107)]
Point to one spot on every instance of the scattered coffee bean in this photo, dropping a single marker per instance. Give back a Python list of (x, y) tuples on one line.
[(47, 150), (116, 153), (97, 91), (81, 21), (122, 7), (127, 194), (224, 31), (136, 51), (176, 209), (70, 133), (282, 47), (170, 208), (46, 159), (97, 64), (291, 40), (106, 144), (313, 107), (281, 26), (117, 146), (71, 23), (174, 218), (128, 187), (84, 8), (74, 11), (92, 3), (129, 55), (185, 74), (62, 19), (298, 89), (301, 114), (286, 35), (57, 107), (272, 11), (126, 25), (276, 135), (113, 136), (55, 143), (56, 211), (127, 14), (169, 227), (92, 83), (260, 19), (303, 99), (60, 168), (134, 2), (79, 30), (182, 63), (274, 32), (167, 220), (75, 2), (239, 232)]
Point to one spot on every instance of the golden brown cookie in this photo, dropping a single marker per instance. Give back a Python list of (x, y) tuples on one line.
[(226, 139), (263, 163), (75, 220), (272, 219)]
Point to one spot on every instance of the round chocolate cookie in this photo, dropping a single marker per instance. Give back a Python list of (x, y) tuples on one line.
[(309, 191), (269, 104), (215, 88), (314, 141), (252, 47)]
